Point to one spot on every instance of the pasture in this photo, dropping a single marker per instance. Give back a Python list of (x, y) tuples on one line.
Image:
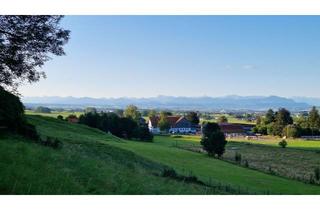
[(53, 114), (84, 165), (296, 162), (93, 162)]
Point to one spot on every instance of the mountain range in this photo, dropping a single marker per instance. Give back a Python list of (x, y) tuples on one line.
[(232, 102)]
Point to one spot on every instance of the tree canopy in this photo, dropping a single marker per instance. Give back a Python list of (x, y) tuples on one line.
[(26, 43), (222, 119), (193, 117), (213, 140), (132, 112)]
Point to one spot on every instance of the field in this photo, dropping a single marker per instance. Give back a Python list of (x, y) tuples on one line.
[(54, 113), (86, 164), (85, 148), (296, 162), (230, 118), (292, 143)]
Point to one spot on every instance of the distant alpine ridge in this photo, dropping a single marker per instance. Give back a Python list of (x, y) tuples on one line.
[(204, 103)]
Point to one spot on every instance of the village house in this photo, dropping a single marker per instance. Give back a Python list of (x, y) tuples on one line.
[(235, 129), (178, 124)]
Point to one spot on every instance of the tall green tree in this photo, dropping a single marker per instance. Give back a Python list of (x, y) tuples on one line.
[(132, 112), (269, 117), (282, 119), (222, 119), (152, 113), (193, 117), (163, 123), (26, 43), (213, 140), (314, 119)]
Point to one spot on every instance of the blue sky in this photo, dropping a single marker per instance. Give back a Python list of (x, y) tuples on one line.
[(143, 56)]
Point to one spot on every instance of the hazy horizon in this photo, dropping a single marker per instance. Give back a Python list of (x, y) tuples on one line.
[(192, 56)]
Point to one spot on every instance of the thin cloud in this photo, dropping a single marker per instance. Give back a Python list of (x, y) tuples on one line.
[(249, 67)]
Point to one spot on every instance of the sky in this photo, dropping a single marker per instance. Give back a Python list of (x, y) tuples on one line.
[(146, 56)]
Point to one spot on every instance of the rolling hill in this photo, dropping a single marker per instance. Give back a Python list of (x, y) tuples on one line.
[(92, 162)]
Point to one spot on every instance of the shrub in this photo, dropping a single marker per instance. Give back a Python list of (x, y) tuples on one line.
[(317, 173), (237, 157), (169, 172), (283, 143), (29, 131), (51, 142), (11, 111), (291, 131), (145, 134), (246, 163), (60, 117)]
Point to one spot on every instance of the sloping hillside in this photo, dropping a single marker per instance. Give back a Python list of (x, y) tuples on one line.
[(92, 162), (84, 165)]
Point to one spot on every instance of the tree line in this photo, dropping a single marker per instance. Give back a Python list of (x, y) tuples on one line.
[(128, 126), (280, 123)]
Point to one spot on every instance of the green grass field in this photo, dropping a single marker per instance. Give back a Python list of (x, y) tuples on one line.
[(53, 114), (298, 162), (92, 162), (274, 141), (164, 151), (231, 119), (84, 165)]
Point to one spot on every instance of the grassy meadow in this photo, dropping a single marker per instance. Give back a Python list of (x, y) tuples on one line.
[(54, 114), (98, 163), (231, 119), (296, 162), (86, 164)]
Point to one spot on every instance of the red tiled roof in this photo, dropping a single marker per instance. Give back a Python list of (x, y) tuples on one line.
[(231, 128), (171, 119)]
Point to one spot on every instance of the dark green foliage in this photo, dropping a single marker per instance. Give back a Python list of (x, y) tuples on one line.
[(209, 127), (128, 128), (152, 113), (132, 112), (314, 119), (193, 117), (169, 172), (213, 140), (90, 110), (119, 112), (270, 117), (60, 117), (292, 131), (237, 157), (26, 41), (11, 111), (122, 127), (283, 143), (90, 119), (163, 122), (275, 123), (317, 173), (29, 131), (260, 128), (222, 119), (51, 142), (145, 134), (282, 119), (42, 109)]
